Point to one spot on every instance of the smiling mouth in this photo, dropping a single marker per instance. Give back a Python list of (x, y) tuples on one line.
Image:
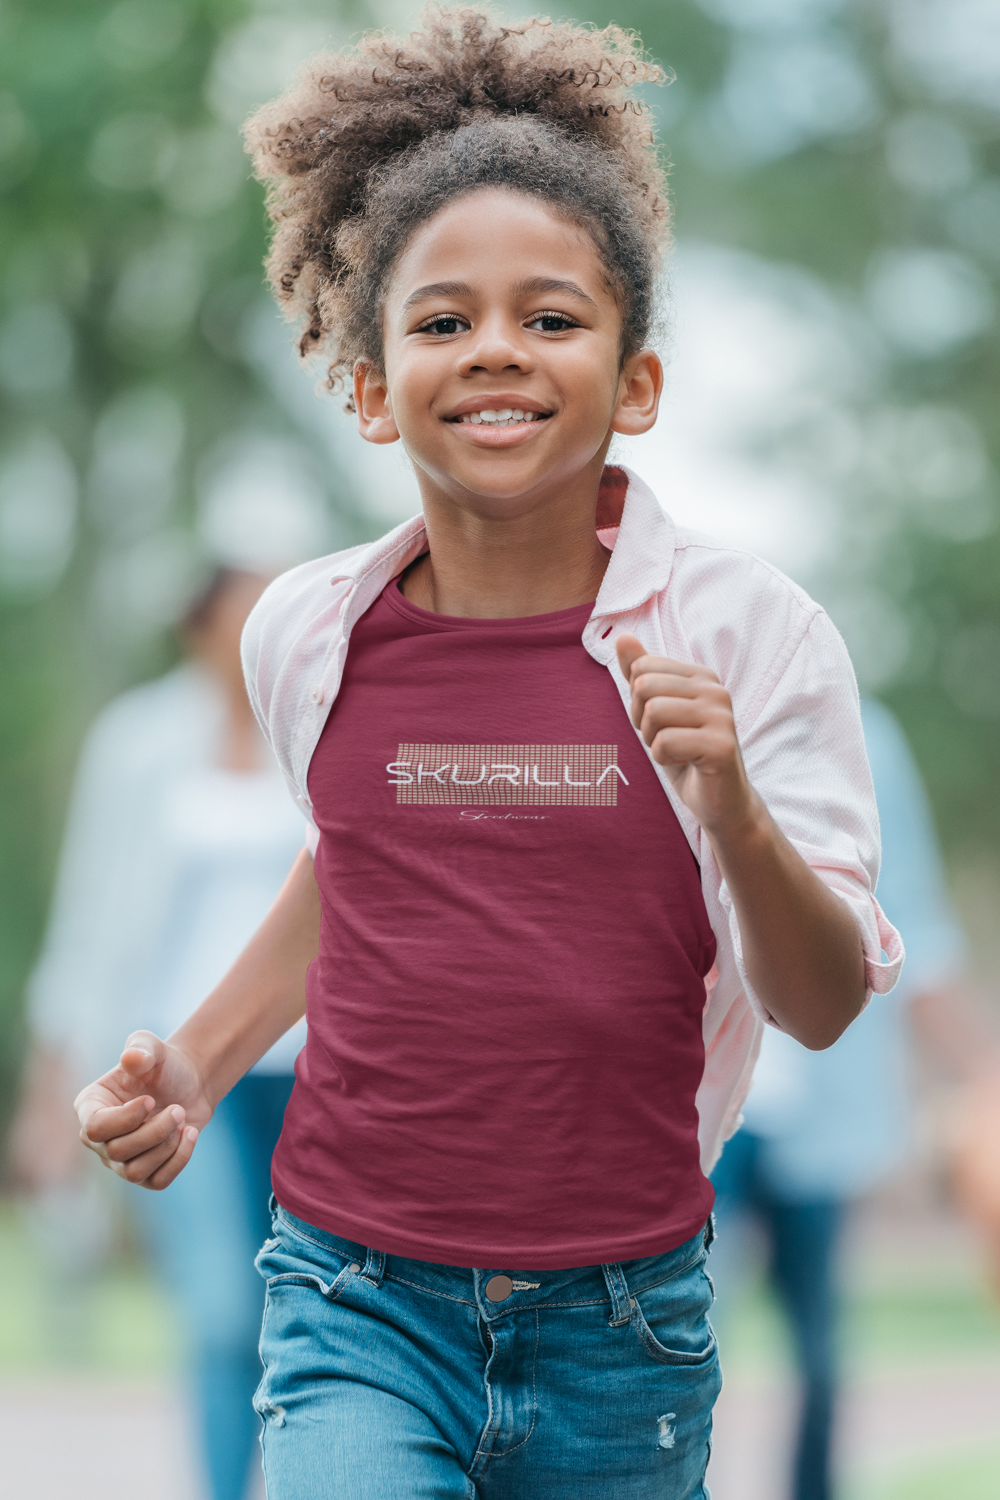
[(506, 417)]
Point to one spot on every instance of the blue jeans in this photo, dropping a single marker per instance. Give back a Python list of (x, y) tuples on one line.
[(394, 1379), (803, 1236), (203, 1234)]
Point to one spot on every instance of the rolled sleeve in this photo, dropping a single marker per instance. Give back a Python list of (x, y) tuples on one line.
[(805, 755)]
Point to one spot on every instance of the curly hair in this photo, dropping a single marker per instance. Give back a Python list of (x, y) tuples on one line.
[(368, 145)]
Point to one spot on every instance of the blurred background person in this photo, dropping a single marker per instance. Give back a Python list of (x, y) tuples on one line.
[(180, 834), (822, 1128)]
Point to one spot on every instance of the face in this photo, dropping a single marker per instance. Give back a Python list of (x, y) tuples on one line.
[(502, 367)]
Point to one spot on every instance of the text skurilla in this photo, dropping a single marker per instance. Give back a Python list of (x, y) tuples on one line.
[(402, 775)]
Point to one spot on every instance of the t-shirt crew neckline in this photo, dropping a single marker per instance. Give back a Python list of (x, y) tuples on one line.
[(397, 600)]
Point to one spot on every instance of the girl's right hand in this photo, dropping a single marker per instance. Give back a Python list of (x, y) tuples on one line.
[(143, 1118)]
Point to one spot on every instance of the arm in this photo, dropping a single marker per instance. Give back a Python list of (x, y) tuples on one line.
[(801, 946), (143, 1117)]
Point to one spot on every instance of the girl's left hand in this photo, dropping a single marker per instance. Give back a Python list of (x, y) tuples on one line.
[(685, 716)]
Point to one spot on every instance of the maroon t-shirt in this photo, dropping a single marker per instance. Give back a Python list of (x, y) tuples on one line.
[(505, 1016)]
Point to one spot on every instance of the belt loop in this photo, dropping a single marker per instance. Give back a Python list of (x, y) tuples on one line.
[(621, 1302), (710, 1232), (374, 1268)]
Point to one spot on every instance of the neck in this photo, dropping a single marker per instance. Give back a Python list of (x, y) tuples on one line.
[(480, 565)]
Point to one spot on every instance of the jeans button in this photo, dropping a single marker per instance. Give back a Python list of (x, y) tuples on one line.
[(498, 1288)]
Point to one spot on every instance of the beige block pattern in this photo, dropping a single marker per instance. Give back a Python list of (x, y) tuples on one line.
[(507, 775)]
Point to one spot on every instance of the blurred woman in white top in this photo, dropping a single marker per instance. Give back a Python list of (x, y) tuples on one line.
[(180, 834)]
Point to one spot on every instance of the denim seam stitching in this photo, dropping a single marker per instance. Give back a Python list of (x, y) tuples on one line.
[(417, 1286), (488, 1430), (675, 1357), (507, 1312), (679, 1271), (480, 1453), (292, 1229), (310, 1279), (534, 1397)]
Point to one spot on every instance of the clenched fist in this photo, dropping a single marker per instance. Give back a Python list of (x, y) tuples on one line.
[(143, 1117), (685, 716)]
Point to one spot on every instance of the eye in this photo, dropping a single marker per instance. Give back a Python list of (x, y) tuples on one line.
[(443, 325), (552, 322)]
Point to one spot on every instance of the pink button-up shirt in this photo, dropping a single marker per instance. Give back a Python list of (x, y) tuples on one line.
[(775, 650)]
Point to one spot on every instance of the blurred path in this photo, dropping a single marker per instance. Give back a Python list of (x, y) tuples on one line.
[(888, 1423), (94, 1438)]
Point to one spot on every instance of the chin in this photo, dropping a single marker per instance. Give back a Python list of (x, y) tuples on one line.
[(492, 483)]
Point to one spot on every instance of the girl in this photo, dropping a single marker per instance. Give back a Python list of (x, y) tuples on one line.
[(538, 945)]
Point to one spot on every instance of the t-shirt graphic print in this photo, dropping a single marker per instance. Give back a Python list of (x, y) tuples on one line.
[(505, 1016), (507, 775)]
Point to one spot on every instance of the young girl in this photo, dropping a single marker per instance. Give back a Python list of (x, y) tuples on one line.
[(538, 944)]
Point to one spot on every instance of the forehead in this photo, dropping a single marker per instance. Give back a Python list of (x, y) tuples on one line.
[(494, 238)]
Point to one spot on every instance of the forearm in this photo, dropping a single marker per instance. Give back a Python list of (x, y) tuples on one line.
[(801, 946), (263, 994)]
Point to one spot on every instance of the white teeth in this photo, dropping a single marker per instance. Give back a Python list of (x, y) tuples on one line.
[(500, 418)]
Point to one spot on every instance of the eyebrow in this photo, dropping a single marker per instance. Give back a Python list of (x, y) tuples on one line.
[(439, 289), (552, 284), (537, 284)]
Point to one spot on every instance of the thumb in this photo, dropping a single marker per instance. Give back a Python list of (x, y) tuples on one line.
[(142, 1053), (630, 648)]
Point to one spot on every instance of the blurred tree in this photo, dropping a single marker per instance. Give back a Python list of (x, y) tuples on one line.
[(131, 239), (860, 141)]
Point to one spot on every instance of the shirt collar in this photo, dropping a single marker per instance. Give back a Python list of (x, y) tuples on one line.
[(643, 546), (629, 518)]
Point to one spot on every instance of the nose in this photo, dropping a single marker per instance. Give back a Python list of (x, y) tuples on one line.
[(499, 345)]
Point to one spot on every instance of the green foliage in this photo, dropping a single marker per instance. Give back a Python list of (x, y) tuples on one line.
[(919, 171), (131, 238)]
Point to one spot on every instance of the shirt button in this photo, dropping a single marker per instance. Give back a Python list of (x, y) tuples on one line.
[(317, 695), (498, 1288)]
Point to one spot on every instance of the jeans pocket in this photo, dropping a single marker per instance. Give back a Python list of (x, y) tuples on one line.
[(331, 1290), (289, 1259), (671, 1320)]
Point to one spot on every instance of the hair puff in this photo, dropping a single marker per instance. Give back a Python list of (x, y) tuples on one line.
[(369, 143)]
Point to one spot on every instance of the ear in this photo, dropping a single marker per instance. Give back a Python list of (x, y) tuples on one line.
[(376, 422), (639, 391)]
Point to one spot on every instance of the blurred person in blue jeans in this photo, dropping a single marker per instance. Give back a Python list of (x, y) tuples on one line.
[(180, 834), (822, 1128)]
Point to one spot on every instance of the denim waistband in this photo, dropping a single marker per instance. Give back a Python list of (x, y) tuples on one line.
[(612, 1283)]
